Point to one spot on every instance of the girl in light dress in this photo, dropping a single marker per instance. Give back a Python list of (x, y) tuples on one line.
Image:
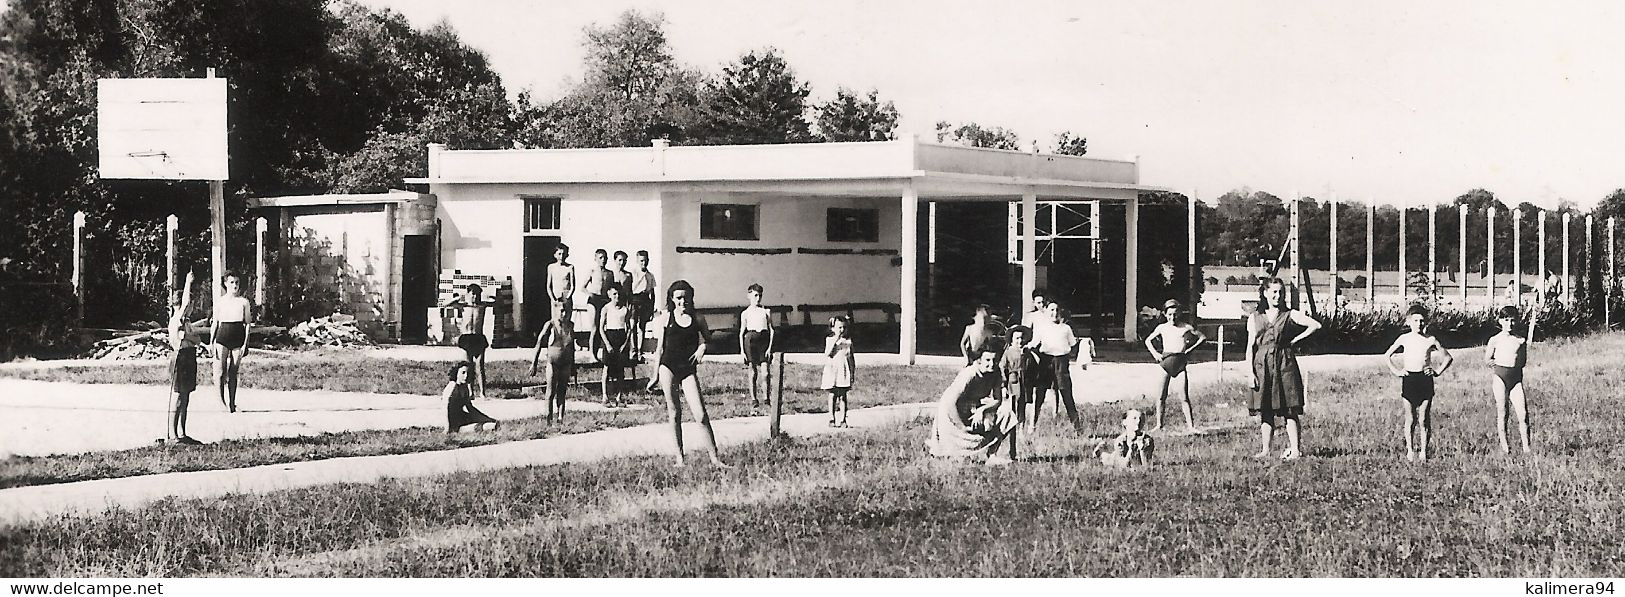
[(838, 370)]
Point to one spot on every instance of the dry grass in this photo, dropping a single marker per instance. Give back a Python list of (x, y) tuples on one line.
[(873, 504)]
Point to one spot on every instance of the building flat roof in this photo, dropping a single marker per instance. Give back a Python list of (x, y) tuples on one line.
[(945, 170)]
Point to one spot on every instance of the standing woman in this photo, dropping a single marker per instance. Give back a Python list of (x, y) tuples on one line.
[(1272, 337), (680, 347), (232, 315)]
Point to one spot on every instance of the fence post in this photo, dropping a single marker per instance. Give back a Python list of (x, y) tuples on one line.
[(1608, 298), (1404, 273), (777, 398), (1489, 256), (1540, 260), (79, 268), (1336, 287), (259, 263), (1370, 254), (1517, 256), (1221, 352), (1461, 236), (1433, 249), (1568, 284), (171, 223)]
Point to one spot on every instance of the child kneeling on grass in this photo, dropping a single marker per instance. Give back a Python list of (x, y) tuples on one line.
[(460, 412), (1416, 385)]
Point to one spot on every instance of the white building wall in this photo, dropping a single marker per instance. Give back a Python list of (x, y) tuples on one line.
[(795, 277), (483, 226)]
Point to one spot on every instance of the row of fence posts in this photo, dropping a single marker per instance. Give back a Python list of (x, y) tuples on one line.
[(171, 225), (1433, 265)]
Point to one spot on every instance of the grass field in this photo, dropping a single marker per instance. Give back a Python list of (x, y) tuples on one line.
[(871, 503), (725, 390)]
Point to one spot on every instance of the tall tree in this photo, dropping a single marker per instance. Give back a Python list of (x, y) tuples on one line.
[(1067, 143), (972, 134), (852, 117), (756, 100), (633, 91)]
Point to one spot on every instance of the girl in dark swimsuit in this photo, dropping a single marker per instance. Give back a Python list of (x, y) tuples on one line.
[(681, 346)]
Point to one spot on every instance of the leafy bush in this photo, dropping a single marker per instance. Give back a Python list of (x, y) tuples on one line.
[(1372, 331), (38, 320)]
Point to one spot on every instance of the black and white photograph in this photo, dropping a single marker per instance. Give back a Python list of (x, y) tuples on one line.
[(1096, 295)]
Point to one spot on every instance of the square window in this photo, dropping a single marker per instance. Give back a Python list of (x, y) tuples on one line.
[(541, 213), (853, 225), (728, 221)]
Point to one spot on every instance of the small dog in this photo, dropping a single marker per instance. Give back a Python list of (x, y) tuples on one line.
[(1130, 445)]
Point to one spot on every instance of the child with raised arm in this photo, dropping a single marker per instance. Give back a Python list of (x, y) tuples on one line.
[(839, 369), (982, 334), (182, 364), (756, 343), (557, 340), (1178, 338), (1416, 379), (1507, 354)]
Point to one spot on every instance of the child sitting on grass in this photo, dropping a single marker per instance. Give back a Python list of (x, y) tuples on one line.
[(557, 338), (1416, 379), (839, 369), (460, 412)]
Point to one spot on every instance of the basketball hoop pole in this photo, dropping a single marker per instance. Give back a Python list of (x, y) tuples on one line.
[(217, 227)]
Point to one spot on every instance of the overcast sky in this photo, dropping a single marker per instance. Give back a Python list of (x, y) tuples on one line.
[(1391, 101)]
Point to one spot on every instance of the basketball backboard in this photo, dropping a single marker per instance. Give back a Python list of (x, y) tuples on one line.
[(166, 129)]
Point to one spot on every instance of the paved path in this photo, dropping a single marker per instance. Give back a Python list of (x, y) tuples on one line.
[(34, 503), (1107, 382)]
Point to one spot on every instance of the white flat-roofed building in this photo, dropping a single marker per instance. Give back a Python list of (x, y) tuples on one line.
[(821, 226)]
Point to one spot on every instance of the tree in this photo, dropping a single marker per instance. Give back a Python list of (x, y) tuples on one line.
[(1068, 144), (1612, 205), (852, 117), (971, 134), (633, 91), (756, 100)]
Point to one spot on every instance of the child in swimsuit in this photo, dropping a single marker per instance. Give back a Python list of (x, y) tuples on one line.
[(838, 369), (1507, 354), (596, 286), (232, 314), (614, 333), (981, 335), (641, 296), (561, 280), (557, 340), (756, 344), (460, 412), (680, 348), (1178, 339), (1416, 385)]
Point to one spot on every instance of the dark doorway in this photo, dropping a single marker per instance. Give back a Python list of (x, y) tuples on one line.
[(536, 309), (418, 286)]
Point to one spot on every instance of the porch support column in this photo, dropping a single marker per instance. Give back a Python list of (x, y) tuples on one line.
[(1029, 250), (908, 340), (1131, 269)]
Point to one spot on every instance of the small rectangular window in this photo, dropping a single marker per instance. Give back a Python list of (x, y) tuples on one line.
[(541, 213), (853, 225), (728, 221)]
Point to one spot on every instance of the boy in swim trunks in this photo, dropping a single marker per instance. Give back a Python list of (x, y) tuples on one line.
[(557, 338), (981, 335), (641, 295), (1178, 339), (1507, 354), (596, 287), (756, 343), (1416, 379), (614, 340), (561, 280)]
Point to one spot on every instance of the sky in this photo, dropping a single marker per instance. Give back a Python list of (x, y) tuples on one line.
[(1393, 102)]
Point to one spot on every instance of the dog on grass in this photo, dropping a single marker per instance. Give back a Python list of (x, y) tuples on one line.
[(1131, 445)]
